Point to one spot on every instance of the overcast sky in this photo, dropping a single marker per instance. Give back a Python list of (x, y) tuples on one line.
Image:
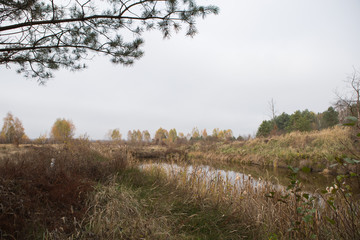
[(296, 52)]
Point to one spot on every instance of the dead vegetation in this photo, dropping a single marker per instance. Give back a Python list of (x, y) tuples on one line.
[(317, 150), (84, 190), (36, 196)]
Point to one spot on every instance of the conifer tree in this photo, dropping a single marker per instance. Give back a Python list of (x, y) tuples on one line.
[(41, 36)]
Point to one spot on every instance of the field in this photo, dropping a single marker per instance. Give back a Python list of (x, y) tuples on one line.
[(88, 190)]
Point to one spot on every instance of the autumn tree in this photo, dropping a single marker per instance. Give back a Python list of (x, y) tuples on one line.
[(135, 136), (23, 139), (131, 137), (181, 139), (63, 130), (215, 133), (182, 135), (42, 139), (172, 135), (41, 36), (139, 136), (204, 134), (161, 135), (221, 135), (146, 136), (195, 134), (12, 130), (115, 135), (228, 134)]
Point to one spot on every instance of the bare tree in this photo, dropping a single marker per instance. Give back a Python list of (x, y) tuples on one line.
[(348, 103), (43, 35), (273, 113), (272, 109)]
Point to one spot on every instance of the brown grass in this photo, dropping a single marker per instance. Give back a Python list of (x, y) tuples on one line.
[(35, 196), (316, 149), (89, 194), (262, 212)]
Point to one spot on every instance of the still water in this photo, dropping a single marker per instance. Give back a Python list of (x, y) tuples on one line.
[(258, 175)]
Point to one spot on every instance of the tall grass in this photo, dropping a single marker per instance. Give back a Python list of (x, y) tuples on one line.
[(316, 149), (148, 205), (91, 193), (36, 196), (264, 211)]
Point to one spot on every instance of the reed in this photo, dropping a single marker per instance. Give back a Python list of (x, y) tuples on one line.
[(316, 149), (267, 211), (93, 192)]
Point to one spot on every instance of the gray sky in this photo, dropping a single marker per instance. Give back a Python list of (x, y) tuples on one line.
[(296, 52)]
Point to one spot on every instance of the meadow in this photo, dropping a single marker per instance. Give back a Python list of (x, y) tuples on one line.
[(97, 190)]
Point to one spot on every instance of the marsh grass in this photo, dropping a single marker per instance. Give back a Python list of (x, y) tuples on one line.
[(37, 197), (260, 210), (148, 205), (91, 193), (316, 149)]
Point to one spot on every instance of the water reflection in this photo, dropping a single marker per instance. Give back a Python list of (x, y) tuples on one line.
[(211, 175), (256, 175), (310, 181)]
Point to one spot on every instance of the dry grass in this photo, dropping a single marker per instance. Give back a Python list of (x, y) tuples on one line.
[(262, 212), (147, 205), (316, 149), (36, 197), (10, 149), (116, 212), (89, 194)]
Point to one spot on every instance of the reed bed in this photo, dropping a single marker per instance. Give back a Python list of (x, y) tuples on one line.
[(315, 149), (148, 205), (267, 211), (90, 192), (45, 188)]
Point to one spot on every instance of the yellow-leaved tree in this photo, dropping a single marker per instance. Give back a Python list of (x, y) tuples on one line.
[(172, 135), (115, 135), (228, 134), (215, 133), (204, 134), (161, 135), (146, 136), (12, 130), (195, 134), (63, 130)]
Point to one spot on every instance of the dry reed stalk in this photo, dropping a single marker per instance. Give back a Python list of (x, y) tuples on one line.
[(264, 216)]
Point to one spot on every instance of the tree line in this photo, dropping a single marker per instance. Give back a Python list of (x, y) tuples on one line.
[(63, 130), (163, 136), (345, 108), (347, 104), (298, 121)]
